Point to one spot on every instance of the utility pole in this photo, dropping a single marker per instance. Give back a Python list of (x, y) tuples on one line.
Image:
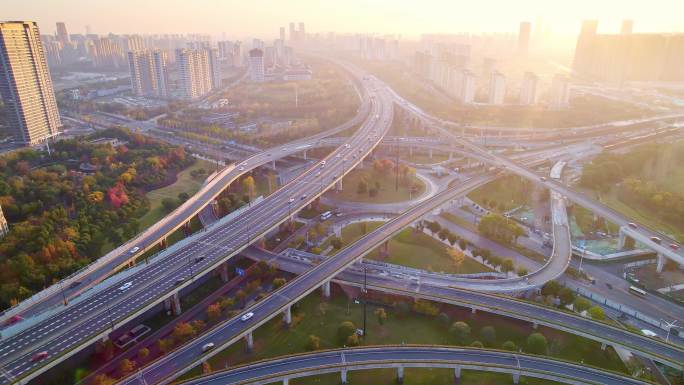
[(396, 178), (365, 299)]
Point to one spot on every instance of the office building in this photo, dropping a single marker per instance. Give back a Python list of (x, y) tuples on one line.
[(524, 38), (256, 65), (107, 53), (149, 75), (468, 87), (62, 34), (214, 67), (4, 227), (302, 32), (497, 88), (628, 56), (25, 84), (528, 89), (196, 75), (627, 26), (133, 43), (560, 92), (293, 32), (238, 59), (225, 50), (282, 33)]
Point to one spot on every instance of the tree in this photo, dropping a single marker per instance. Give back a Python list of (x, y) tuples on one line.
[(362, 187), (213, 311), (551, 288), (596, 312), (581, 304), (500, 228), (143, 353), (126, 366), (462, 244), (402, 308), (488, 335), (206, 367), (457, 257), (507, 265), (444, 319), (249, 187), (336, 243), (182, 332), (103, 379), (240, 295), (434, 227), (164, 345), (278, 282), (169, 204), (460, 331), (353, 340), (381, 314), (477, 344), (443, 234), (425, 307), (345, 329), (510, 346), (313, 343), (536, 344), (566, 296), (522, 271)]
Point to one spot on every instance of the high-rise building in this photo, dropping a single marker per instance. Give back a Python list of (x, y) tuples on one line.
[(302, 31), (282, 33), (560, 92), (4, 227), (149, 75), (62, 34), (256, 65), (107, 53), (214, 67), (497, 88), (196, 75), (133, 43), (528, 89), (293, 32), (25, 83), (225, 49), (468, 87), (524, 37), (627, 26), (238, 57)]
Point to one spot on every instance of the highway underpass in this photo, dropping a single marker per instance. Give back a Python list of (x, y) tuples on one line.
[(401, 357)]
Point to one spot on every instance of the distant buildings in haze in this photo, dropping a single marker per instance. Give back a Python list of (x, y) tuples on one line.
[(149, 73)]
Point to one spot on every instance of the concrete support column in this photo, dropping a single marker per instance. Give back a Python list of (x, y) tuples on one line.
[(186, 229), (457, 374), (400, 374), (287, 316), (621, 239), (249, 339), (516, 378), (343, 374), (286, 381), (338, 231), (305, 158), (534, 325), (603, 346), (273, 164), (176, 308), (473, 310), (223, 270), (326, 289), (660, 263), (338, 185), (384, 249)]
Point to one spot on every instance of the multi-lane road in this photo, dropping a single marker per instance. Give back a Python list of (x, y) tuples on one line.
[(400, 357), (75, 327)]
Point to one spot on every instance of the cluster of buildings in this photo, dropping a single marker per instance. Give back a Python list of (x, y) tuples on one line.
[(448, 65), (277, 61), (628, 56)]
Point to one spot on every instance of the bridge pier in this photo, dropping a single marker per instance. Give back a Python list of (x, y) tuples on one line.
[(535, 325), (384, 249), (249, 340), (338, 185), (400, 375), (326, 289), (473, 310), (186, 229), (162, 244), (286, 381), (223, 271), (176, 305), (305, 158), (603, 346), (273, 164), (287, 316), (516, 378), (660, 263), (457, 374), (343, 375), (621, 239)]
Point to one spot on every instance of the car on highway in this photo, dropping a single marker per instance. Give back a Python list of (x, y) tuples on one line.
[(674, 246), (241, 168), (199, 259), (347, 145), (543, 179), (303, 196), (39, 356), (632, 225), (12, 320), (74, 284), (656, 239), (322, 163), (246, 316), (134, 250), (179, 281), (208, 346), (125, 286), (290, 200)]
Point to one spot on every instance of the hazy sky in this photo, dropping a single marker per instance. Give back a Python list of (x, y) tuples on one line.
[(409, 18)]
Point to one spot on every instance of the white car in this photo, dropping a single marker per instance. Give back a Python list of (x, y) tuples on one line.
[(241, 168), (134, 250), (246, 316), (208, 346), (125, 286), (291, 200)]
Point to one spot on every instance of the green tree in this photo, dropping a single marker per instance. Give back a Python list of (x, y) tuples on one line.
[(126, 367), (143, 353), (536, 344), (551, 288), (566, 296), (362, 187), (313, 343), (509, 345), (345, 329), (477, 344), (353, 340), (381, 314), (460, 331), (278, 282), (488, 335), (596, 312), (249, 187), (581, 304), (507, 265), (336, 243)]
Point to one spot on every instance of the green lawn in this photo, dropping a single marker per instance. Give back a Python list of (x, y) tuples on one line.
[(184, 183), (420, 251), (423, 158), (510, 192), (413, 250), (274, 339), (386, 194), (459, 221)]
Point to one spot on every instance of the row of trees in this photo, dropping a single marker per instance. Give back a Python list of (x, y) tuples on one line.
[(500, 228)]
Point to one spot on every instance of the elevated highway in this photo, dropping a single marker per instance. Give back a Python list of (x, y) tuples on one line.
[(402, 357)]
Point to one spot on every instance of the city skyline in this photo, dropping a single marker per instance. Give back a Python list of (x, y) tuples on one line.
[(380, 16)]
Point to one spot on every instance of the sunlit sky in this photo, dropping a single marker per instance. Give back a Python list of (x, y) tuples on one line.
[(408, 18)]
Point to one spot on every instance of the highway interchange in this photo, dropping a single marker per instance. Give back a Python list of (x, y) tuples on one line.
[(94, 317)]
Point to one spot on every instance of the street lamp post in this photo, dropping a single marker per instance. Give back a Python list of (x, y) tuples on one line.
[(365, 291), (669, 325)]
